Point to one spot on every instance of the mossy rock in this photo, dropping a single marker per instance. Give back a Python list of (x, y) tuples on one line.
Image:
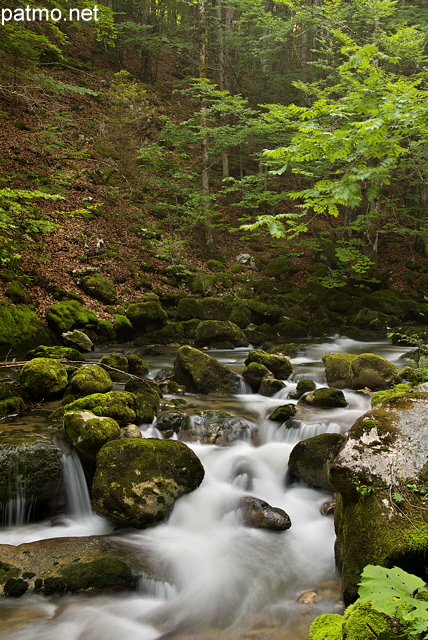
[(171, 333), (58, 353), (203, 309), (123, 328), (15, 587), (269, 386), (305, 385), (206, 283), (102, 574), (88, 432), (327, 626), (16, 292), (70, 314), (123, 406), (98, 287), (291, 328), (105, 332), (310, 459), (113, 361), (240, 315), (137, 366), (283, 413), (78, 339), (147, 388), (21, 329), (89, 379), (220, 334), (262, 312), (360, 622), (138, 480), (279, 366), (325, 398), (392, 302), (254, 373), (201, 373), (371, 320), (290, 349), (13, 405), (280, 268), (390, 395), (346, 371), (146, 316), (43, 378), (30, 470)]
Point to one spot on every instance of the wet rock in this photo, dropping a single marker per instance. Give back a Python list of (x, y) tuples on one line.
[(279, 366), (259, 514), (201, 373), (346, 371), (123, 328), (146, 316), (269, 386), (310, 459), (307, 597), (130, 431), (98, 287), (122, 406), (89, 379), (58, 353), (43, 378), (327, 508), (303, 386), (137, 481), (220, 334), (116, 366), (11, 406), (172, 422), (325, 398), (254, 373), (30, 472), (217, 427), (78, 339), (283, 413), (88, 432), (68, 315), (385, 453), (15, 588)]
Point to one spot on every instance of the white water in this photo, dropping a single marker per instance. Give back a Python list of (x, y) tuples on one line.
[(222, 579)]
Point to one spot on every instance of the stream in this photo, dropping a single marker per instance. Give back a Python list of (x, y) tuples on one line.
[(224, 580)]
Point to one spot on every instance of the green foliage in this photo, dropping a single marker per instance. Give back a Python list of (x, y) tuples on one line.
[(19, 215), (397, 594)]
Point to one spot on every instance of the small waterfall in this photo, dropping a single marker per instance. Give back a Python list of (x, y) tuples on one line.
[(76, 489), (16, 512)]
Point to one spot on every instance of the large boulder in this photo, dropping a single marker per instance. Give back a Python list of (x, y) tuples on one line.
[(200, 373), (30, 475), (137, 481), (116, 365), (88, 432), (217, 427), (68, 315), (78, 339), (98, 287), (89, 379), (346, 371), (21, 329), (221, 334), (279, 366), (310, 459), (381, 475), (58, 353), (203, 309), (43, 378), (123, 406), (146, 316), (324, 398), (254, 373)]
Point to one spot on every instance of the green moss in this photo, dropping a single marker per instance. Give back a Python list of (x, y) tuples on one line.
[(98, 287), (115, 361), (328, 626), (270, 386), (171, 333), (105, 573), (283, 413), (43, 378), (305, 385), (122, 406), (325, 398), (254, 373), (215, 333), (8, 571), (70, 314), (146, 316), (390, 395), (11, 406), (280, 366), (382, 420), (16, 292), (58, 353), (361, 622), (358, 371), (89, 379), (240, 315), (290, 349), (21, 329), (203, 309), (123, 328), (199, 372), (105, 331), (88, 433)]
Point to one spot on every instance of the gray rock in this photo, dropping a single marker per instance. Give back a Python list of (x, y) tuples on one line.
[(259, 514), (217, 427), (78, 339)]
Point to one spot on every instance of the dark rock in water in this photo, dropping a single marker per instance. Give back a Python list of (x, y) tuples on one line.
[(310, 459), (303, 386), (325, 398), (327, 508), (217, 427), (283, 413), (30, 472), (269, 386), (15, 588), (279, 366), (259, 514), (137, 481), (347, 371), (220, 334), (173, 421), (254, 373), (201, 373)]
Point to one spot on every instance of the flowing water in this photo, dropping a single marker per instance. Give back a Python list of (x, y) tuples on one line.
[(221, 580)]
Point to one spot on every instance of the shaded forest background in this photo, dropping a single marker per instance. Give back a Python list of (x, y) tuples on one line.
[(164, 140)]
